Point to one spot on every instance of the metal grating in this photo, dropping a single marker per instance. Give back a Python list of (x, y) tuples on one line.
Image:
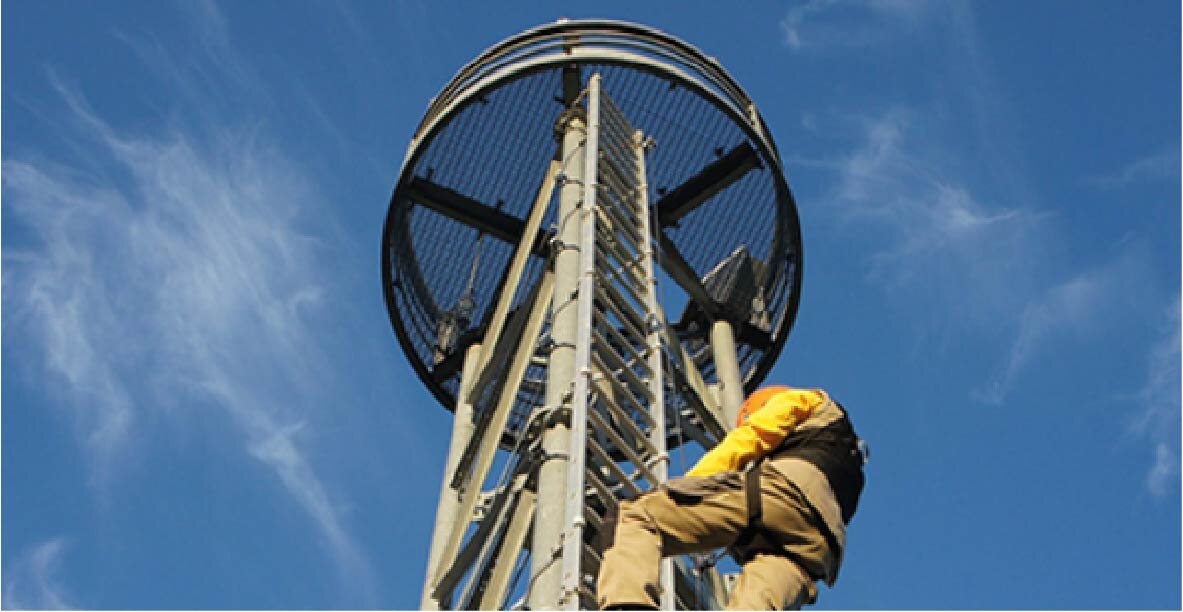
[(494, 151)]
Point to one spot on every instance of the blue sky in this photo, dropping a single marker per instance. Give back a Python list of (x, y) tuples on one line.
[(204, 405)]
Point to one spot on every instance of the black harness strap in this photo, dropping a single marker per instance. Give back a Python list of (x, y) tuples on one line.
[(755, 509), (755, 526), (755, 513), (740, 551)]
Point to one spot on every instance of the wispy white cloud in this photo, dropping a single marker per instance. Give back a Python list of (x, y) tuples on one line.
[(30, 580), (196, 282), (1161, 166), (927, 224), (922, 224), (57, 292), (178, 272), (1158, 420), (979, 263), (205, 74), (1070, 308), (1165, 471), (849, 23), (960, 223)]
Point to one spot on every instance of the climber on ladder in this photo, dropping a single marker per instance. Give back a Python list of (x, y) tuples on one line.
[(784, 519)]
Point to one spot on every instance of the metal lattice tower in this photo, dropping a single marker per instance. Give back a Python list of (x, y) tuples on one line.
[(566, 190)]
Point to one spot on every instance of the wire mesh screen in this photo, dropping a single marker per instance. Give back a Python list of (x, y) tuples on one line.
[(487, 155)]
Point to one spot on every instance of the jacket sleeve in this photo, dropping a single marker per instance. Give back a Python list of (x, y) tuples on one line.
[(764, 430)]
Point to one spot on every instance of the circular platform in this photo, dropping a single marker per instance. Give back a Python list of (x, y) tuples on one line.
[(477, 159)]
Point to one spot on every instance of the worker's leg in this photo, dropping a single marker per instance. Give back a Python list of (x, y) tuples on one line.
[(788, 555), (706, 514), (794, 526), (772, 581)]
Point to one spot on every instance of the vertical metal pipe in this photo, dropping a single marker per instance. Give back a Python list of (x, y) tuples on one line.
[(657, 436), (552, 476), (571, 579), (449, 504), (727, 369)]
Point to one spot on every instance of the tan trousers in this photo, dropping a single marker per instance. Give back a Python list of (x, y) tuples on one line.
[(700, 514)]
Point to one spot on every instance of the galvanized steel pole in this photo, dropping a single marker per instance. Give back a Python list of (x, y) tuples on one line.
[(727, 369), (552, 476)]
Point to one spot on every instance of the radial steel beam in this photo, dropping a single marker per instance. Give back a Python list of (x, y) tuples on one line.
[(715, 177), (479, 216), (677, 204)]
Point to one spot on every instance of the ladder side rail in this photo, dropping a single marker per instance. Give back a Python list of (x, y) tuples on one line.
[(653, 318)]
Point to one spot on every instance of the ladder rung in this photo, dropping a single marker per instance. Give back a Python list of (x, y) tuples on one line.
[(609, 276), (622, 423), (617, 364), (624, 447), (620, 414), (602, 490), (621, 153), (622, 168), (623, 192), (634, 356), (608, 295), (615, 217), (611, 175), (621, 181), (618, 126), (619, 139), (613, 228), (619, 409), (638, 344), (624, 251), (621, 477), (613, 113), (620, 388), (622, 204), (590, 554), (592, 519)]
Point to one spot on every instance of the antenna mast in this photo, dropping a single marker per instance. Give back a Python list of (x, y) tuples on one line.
[(536, 240)]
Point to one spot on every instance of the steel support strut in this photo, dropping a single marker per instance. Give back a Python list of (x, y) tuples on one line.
[(447, 513), (727, 367)]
